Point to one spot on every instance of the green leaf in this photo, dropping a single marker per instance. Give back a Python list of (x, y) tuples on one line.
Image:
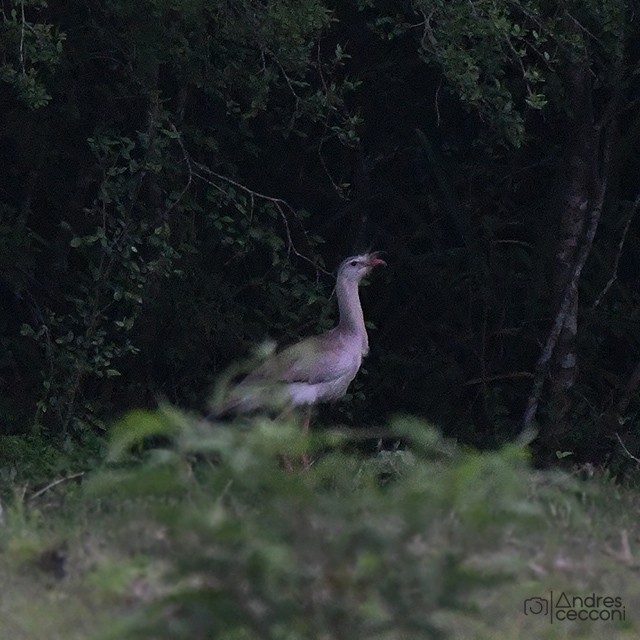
[(135, 428)]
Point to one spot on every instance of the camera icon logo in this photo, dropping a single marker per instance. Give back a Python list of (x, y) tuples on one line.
[(536, 606)]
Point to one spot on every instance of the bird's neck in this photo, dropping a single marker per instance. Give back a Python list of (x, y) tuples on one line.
[(351, 318)]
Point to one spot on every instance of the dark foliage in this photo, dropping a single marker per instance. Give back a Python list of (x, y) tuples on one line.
[(174, 171)]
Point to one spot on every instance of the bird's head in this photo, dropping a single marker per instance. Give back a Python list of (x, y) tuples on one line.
[(357, 267)]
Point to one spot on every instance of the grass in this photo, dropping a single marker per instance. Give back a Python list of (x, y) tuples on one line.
[(69, 569), (73, 566), (592, 547)]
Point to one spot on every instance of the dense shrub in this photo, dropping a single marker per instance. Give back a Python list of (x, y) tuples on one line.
[(350, 547)]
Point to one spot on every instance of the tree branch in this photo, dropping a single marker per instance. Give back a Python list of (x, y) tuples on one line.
[(616, 262), (547, 352), (627, 450), (55, 483), (281, 206)]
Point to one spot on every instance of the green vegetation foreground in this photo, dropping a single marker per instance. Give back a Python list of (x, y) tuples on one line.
[(189, 530)]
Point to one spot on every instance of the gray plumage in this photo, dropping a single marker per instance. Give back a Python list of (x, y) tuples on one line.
[(319, 368)]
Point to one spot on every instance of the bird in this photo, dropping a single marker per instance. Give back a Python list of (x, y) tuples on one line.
[(319, 368)]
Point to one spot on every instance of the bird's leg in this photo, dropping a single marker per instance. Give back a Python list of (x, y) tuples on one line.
[(284, 458), (307, 421), (306, 459)]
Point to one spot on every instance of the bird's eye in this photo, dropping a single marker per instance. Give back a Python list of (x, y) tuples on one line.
[(353, 263)]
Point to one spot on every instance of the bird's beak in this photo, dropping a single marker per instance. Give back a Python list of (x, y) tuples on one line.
[(374, 261)]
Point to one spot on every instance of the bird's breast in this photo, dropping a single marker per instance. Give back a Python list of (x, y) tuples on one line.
[(345, 364)]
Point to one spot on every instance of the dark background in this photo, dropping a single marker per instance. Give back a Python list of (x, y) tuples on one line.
[(180, 179)]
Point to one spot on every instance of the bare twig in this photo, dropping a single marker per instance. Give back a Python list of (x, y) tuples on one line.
[(634, 458), (331, 108), (584, 29), (55, 483), (281, 206), (338, 188), (187, 160), (22, 29), (616, 262), (501, 376), (322, 80), (624, 553), (437, 104)]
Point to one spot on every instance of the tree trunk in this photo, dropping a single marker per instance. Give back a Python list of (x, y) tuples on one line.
[(578, 196), (582, 181)]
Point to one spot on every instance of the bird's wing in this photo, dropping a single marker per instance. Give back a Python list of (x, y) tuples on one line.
[(317, 359)]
